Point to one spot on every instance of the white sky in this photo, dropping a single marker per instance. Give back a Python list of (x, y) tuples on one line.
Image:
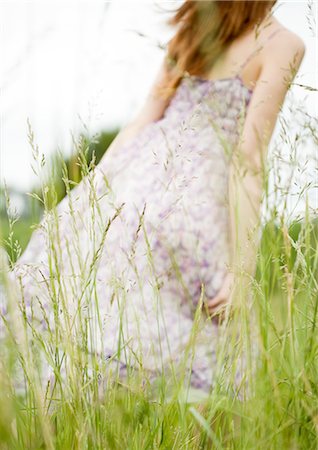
[(63, 63)]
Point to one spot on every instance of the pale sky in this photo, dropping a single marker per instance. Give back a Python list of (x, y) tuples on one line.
[(68, 63)]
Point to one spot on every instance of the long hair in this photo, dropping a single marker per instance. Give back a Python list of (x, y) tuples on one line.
[(204, 30)]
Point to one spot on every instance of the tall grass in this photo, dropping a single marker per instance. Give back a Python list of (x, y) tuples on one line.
[(58, 391)]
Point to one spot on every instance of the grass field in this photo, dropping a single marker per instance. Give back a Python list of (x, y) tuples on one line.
[(83, 408)]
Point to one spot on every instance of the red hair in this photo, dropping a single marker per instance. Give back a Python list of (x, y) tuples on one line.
[(204, 30)]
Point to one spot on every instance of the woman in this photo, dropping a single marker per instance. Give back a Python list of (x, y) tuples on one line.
[(147, 248)]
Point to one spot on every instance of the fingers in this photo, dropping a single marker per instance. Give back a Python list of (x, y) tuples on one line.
[(216, 301), (217, 310), (217, 307), (218, 314)]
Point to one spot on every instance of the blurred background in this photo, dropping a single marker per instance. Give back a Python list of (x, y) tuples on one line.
[(84, 68)]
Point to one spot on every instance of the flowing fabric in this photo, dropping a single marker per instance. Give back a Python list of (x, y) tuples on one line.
[(132, 250)]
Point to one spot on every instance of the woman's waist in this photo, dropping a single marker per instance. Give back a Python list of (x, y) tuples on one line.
[(198, 118)]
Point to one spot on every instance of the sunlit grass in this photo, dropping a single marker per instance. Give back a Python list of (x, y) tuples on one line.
[(85, 404)]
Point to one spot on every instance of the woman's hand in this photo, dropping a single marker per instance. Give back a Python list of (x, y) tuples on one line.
[(222, 301)]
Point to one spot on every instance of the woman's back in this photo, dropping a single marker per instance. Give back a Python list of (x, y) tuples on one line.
[(260, 49), (245, 55)]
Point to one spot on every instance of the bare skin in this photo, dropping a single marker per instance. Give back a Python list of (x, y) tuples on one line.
[(269, 73), (275, 67)]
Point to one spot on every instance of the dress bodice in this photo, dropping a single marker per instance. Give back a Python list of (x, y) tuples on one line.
[(204, 102)]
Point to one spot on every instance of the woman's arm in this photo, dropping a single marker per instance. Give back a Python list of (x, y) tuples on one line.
[(152, 110), (281, 61)]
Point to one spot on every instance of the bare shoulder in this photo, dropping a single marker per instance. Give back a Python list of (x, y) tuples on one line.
[(285, 46), (279, 59)]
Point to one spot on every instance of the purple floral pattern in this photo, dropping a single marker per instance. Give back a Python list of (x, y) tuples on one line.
[(134, 252)]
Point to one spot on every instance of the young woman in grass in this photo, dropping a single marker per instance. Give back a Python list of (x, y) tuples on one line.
[(161, 236)]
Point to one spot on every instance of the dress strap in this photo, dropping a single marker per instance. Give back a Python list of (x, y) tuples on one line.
[(241, 67)]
